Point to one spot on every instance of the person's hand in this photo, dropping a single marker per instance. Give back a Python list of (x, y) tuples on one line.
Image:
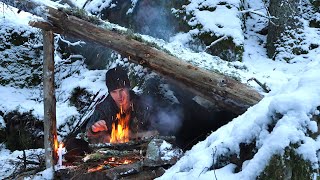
[(99, 126)]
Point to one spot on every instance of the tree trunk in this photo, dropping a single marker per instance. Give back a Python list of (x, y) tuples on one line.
[(226, 93), (50, 130), (285, 12)]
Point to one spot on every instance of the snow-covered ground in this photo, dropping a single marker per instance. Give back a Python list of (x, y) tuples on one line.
[(295, 93)]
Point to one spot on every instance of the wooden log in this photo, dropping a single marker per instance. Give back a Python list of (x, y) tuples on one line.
[(50, 129), (224, 92), (137, 144), (103, 154)]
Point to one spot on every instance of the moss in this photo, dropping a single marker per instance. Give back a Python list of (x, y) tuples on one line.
[(82, 14), (287, 166)]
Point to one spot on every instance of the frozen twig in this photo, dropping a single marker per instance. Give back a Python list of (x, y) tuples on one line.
[(77, 43), (268, 16), (263, 86), (216, 41)]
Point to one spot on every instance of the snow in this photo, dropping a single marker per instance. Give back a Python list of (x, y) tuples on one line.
[(295, 94), (291, 101), (9, 161), (79, 3), (223, 21), (97, 5)]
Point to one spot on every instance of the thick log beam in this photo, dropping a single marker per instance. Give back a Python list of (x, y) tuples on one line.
[(224, 92)]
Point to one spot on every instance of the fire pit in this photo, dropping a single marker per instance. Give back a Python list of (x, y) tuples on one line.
[(146, 157)]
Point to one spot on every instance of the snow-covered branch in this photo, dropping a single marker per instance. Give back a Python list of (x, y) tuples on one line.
[(216, 41), (258, 13), (77, 43)]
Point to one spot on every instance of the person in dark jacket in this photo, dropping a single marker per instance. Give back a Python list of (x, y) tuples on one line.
[(123, 101)]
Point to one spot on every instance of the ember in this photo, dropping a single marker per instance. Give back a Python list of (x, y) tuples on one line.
[(98, 168), (120, 128), (119, 161), (114, 162)]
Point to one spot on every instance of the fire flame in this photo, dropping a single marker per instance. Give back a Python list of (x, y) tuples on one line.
[(120, 128)]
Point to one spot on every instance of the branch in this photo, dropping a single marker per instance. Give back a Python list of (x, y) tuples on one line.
[(78, 43), (216, 41), (26, 162), (260, 14), (263, 86)]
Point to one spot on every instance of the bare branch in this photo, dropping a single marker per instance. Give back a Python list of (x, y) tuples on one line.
[(258, 13), (216, 41), (78, 43)]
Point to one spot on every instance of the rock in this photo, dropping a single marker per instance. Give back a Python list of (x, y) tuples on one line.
[(160, 152)]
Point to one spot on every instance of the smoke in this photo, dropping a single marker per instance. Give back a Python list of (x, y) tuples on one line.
[(169, 121), (153, 18)]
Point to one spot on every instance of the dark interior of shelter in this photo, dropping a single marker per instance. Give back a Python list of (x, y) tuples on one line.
[(195, 122)]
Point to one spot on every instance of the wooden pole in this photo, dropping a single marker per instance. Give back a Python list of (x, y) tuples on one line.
[(50, 129)]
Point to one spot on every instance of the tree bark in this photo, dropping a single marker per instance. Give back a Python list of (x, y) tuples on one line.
[(50, 130), (285, 12), (224, 92)]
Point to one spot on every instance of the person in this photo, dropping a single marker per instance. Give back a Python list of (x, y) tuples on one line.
[(120, 99)]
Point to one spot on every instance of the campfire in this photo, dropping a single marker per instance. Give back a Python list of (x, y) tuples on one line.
[(120, 128), (134, 155)]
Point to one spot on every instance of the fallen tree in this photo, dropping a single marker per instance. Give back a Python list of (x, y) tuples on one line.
[(225, 92)]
